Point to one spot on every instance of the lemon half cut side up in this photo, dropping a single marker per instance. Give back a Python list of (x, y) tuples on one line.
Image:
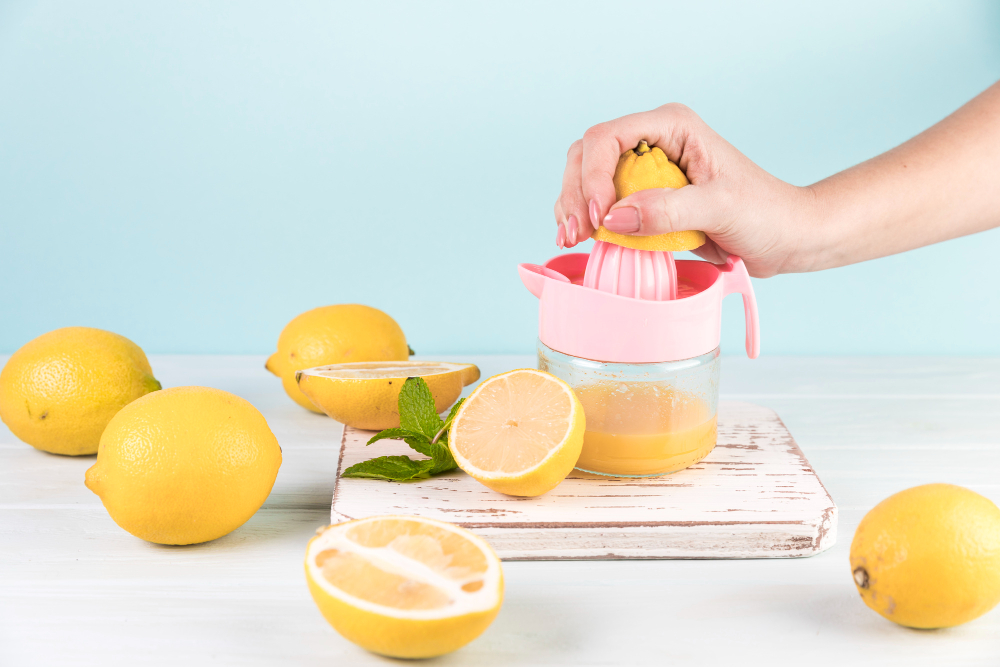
[(519, 433), (365, 395), (404, 586)]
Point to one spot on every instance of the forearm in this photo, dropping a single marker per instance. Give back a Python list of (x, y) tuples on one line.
[(942, 184)]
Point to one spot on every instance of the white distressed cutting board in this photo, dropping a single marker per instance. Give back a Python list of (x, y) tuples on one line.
[(754, 496)]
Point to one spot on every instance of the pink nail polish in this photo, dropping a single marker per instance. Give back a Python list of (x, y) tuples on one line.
[(573, 229), (595, 214), (623, 220), (561, 237)]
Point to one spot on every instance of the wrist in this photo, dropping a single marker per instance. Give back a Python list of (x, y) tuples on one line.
[(811, 226)]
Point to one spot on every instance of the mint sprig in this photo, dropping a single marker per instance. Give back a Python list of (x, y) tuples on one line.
[(422, 429)]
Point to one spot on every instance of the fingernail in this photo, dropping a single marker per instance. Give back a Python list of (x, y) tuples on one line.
[(624, 220), (572, 224), (561, 237), (595, 214)]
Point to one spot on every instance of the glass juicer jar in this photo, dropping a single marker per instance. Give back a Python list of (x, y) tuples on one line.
[(644, 365)]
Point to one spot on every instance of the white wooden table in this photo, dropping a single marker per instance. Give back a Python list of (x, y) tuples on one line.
[(77, 590)]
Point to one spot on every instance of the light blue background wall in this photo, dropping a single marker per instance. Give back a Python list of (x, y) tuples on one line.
[(192, 175)]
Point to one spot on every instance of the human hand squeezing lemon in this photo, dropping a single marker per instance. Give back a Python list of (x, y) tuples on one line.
[(937, 186)]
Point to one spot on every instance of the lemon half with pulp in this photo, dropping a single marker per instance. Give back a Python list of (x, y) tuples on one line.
[(404, 586), (519, 433), (365, 394)]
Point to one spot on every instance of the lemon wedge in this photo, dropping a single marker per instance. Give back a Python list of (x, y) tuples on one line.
[(404, 586), (365, 394), (519, 433)]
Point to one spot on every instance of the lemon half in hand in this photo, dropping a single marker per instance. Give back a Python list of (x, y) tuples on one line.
[(645, 168), (404, 586), (365, 395), (519, 433)]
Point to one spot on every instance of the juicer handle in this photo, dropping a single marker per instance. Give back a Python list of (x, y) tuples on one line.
[(736, 279)]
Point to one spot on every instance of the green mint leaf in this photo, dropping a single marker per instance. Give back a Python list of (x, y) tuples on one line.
[(421, 444), (451, 418), (395, 434), (422, 429), (442, 459), (391, 468), (410, 350), (416, 408), (417, 441), (438, 452)]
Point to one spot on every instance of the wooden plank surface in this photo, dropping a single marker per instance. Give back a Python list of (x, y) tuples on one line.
[(77, 590), (754, 496)]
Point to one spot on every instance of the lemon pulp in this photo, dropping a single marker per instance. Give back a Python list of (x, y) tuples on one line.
[(519, 433), (404, 586)]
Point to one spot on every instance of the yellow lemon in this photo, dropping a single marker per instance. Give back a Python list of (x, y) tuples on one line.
[(929, 557), (59, 391), (185, 465), (334, 335), (644, 168), (404, 586), (519, 433), (365, 395)]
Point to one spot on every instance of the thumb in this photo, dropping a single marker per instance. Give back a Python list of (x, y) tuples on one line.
[(663, 210)]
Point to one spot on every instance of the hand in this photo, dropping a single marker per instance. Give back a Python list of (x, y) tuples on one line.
[(939, 185), (744, 210)]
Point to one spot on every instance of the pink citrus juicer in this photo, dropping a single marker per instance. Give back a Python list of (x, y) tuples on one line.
[(642, 274), (589, 308), (636, 335)]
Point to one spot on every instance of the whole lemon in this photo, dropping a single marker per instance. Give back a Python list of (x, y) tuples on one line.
[(59, 391), (929, 557), (645, 168), (334, 335), (185, 465)]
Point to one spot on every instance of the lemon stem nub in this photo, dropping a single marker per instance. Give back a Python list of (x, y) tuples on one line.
[(642, 148), (861, 577)]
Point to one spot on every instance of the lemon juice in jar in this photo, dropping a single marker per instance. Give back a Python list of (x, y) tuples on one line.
[(643, 419)]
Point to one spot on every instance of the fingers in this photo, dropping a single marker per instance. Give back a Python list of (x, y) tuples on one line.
[(668, 127), (662, 210), (588, 191), (711, 252), (601, 150), (571, 208)]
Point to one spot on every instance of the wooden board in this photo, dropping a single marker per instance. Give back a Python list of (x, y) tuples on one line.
[(754, 496)]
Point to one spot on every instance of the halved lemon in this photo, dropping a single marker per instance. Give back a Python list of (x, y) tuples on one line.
[(519, 433), (365, 394), (670, 241), (404, 586)]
